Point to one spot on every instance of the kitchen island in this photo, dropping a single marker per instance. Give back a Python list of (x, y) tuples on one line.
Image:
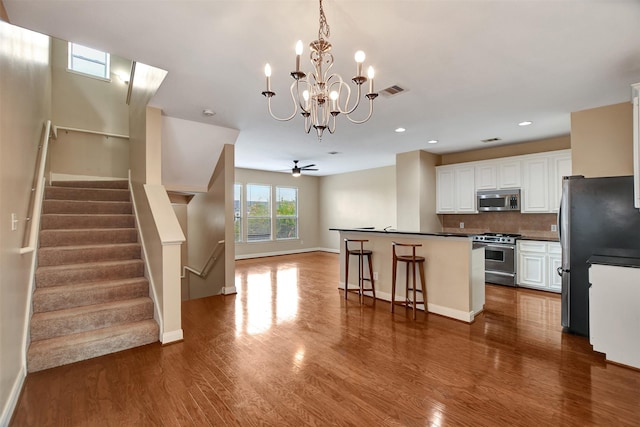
[(454, 270)]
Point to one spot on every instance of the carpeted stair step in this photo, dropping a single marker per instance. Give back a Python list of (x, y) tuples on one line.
[(67, 296), (97, 316), (73, 221), (122, 184), (89, 236), (89, 194), (60, 255), (88, 272), (85, 345), (85, 207)]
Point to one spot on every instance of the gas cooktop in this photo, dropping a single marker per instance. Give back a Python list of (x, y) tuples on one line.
[(507, 238)]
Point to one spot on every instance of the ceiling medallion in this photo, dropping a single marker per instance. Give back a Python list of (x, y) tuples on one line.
[(322, 96)]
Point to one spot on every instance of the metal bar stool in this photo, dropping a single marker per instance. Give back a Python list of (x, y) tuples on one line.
[(360, 253), (411, 261)]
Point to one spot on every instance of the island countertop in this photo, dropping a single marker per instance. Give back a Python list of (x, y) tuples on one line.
[(454, 269), (400, 232)]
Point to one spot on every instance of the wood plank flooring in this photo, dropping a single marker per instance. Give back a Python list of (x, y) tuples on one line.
[(288, 350)]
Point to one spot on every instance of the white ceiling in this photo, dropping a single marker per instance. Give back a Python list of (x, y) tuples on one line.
[(472, 69)]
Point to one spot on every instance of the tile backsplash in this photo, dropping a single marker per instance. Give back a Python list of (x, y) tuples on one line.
[(529, 225)]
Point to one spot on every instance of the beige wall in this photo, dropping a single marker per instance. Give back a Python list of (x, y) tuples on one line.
[(308, 212), (416, 191), (85, 102), (538, 146), (357, 199), (25, 105), (602, 141), (206, 218)]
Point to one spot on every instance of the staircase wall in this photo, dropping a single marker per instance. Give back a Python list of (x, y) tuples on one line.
[(25, 103)]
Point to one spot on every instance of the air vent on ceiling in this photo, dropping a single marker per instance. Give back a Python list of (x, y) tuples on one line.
[(392, 90), (490, 140)]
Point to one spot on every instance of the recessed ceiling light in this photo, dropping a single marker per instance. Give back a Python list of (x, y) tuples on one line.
[(432, 141), (525, 123), (209, 113), (400, 130)]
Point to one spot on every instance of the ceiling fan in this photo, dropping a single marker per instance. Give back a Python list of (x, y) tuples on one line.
[(297, 170)]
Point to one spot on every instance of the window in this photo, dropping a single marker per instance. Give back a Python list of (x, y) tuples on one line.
[(88, 61), (258, 207), (237, 212), (286, 213)]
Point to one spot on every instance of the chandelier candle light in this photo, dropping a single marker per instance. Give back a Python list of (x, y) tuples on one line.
[(322, 96)]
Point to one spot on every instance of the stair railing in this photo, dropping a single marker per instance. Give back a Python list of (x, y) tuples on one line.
[(37, 192), (92, 132), (207, 265)]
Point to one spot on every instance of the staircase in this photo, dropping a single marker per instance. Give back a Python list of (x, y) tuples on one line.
[(91, 296)]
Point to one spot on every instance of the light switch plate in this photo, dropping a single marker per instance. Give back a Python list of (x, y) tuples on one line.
[(554, 227)]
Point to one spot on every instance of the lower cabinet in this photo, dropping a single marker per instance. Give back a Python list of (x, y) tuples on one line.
[(538, 262)]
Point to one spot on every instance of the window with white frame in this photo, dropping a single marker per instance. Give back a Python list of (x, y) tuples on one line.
[(286, 213), (89, 61), (262, 220), (258, 208), (237, 212)]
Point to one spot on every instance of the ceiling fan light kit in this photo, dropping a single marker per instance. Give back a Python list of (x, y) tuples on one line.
[(322, 96), (297, 170)]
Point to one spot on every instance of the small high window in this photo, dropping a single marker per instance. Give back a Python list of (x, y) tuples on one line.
[(88, 61)]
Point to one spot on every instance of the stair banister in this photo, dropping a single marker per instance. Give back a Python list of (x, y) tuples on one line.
[(92, 132), (36, 194), (205, 269)]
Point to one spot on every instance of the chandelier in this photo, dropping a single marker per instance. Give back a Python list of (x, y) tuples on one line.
[(322, 96)]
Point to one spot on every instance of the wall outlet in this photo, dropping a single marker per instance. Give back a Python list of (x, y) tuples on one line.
[(554, 227), (301, 242), (14, 222), (462, 225), (375, 275)]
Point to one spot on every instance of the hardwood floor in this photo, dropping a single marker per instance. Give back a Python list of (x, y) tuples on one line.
[(288, 350)]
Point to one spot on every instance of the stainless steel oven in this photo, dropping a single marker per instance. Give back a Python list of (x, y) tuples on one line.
[(499, 257)]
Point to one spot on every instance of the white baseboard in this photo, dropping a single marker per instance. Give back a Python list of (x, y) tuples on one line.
[(12, 401), (432, 308), (229, 290), (288, 252), (173, 336)]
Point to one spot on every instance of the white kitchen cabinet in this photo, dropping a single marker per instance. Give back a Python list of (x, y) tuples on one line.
[(560, 166), (498, 174), (538, 262), (636, 144), (465, 190), (455, 188), (487, 176), (535, 185), (554, 262), (614, 313), (509, 174)]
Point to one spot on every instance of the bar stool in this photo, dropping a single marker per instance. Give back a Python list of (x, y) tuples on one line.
[(411, 261), (360, 253)]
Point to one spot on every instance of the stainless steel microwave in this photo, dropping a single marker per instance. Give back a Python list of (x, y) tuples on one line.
[(498, 200)]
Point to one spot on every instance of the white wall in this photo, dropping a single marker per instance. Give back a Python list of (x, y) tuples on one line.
[(25, 104), (357, 199)]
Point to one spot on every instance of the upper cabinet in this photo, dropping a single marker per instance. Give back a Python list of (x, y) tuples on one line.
[(636, 145), (455, 189), (498, 174), (539, 176)]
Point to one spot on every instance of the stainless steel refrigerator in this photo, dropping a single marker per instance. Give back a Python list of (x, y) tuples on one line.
[(596, 217)]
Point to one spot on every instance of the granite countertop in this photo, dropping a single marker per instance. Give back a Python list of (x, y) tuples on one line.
[(394, 231), (616, 257), (540, 239)]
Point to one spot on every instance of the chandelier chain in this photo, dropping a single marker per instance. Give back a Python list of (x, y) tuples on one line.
[(323, 30)]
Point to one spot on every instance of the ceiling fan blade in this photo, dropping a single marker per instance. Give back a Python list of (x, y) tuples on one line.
[(306, 169), (308, 166)]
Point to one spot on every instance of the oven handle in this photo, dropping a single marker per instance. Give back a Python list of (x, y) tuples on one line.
[(513, 247)]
